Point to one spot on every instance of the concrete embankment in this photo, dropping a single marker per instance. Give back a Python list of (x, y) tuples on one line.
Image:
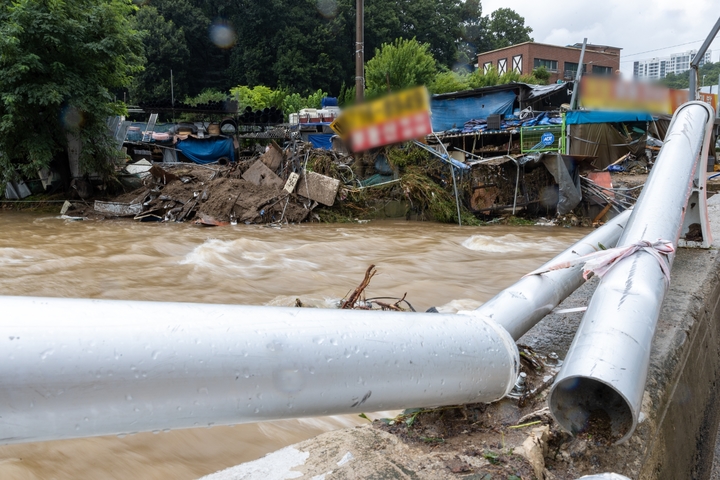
[(675, 438)]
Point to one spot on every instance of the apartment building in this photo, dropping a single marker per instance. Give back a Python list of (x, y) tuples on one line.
[(658, 67)]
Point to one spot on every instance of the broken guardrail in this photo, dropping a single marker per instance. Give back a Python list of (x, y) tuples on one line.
[(605, 370), (519, 307), (79, 367)]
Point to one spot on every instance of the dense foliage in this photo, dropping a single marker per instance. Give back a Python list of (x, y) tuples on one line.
[(445, 82), (711, 72), (65, 64), (60, 61), (397, 65), (303, 45), (502, 28)]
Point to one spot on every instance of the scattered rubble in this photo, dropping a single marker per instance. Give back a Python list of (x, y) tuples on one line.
[(514, 438), (299, 183), (245, 192)]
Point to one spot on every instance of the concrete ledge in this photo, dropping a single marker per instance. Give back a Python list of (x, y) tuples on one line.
[(674, 440)]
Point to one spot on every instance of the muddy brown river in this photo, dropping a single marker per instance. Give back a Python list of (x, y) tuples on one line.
[(437, 265)]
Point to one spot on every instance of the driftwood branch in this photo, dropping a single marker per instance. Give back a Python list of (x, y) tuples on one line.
[(355, 295), (392, 306)]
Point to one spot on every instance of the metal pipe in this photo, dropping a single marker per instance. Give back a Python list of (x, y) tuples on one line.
[(457, 197), (452, 172), (517, 183), (519, 307), (450, 161), (695, 62), (79, 368), (603, 377)]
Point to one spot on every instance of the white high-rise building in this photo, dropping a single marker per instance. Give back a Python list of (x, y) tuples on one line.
[(656, 68)]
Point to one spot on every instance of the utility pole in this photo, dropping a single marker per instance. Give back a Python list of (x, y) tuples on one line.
[(172, 94), (578, 76), (360, 52)]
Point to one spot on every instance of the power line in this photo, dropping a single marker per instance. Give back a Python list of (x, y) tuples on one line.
[(658, 49), (663, 48)]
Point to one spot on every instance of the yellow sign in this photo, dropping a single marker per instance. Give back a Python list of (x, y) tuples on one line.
[(395, 106)]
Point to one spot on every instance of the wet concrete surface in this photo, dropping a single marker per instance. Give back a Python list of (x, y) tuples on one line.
[(679, 418)]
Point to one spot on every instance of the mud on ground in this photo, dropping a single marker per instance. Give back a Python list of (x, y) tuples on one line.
[(515, 438)]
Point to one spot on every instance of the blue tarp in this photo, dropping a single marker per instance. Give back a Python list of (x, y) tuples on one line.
[(579, 117), (321, 140), (207, 150), (454, 112)]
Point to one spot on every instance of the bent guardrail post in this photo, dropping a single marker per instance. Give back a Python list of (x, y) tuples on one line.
[(519, 307), (606, 367), (79, 368)]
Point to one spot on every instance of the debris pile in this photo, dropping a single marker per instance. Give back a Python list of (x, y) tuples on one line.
[(271, 188), (300, 183)]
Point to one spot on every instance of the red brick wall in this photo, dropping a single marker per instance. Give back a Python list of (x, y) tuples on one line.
[(507, 54), (531, 51)]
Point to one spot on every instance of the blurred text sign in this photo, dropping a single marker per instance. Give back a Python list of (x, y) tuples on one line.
[(609, 93), (710, 98), (395, 118)]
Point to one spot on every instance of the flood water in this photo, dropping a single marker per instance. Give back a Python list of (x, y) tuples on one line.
[(437, 265)]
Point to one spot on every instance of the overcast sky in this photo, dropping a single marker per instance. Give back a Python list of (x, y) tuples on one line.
[(636, 26)]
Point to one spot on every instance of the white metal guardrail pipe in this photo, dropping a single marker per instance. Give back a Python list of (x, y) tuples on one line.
[(78, 368), (519, 307), (114, 367), (604, 373)]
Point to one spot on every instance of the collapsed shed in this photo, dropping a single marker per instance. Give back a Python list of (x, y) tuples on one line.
[(598, 134)]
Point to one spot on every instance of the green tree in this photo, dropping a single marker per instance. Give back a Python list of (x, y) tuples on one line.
[(398, 65), (446, 82), (474, 33), (506, 27), (60, 60), (299, 45), (252, 58), (679, 81), (206, 96), (682, 80), (542, 74), (258, 97), (165, 51), (433, 22), (479, 79), (207, 62)]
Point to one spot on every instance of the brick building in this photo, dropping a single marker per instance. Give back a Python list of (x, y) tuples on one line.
[(561, 62)]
